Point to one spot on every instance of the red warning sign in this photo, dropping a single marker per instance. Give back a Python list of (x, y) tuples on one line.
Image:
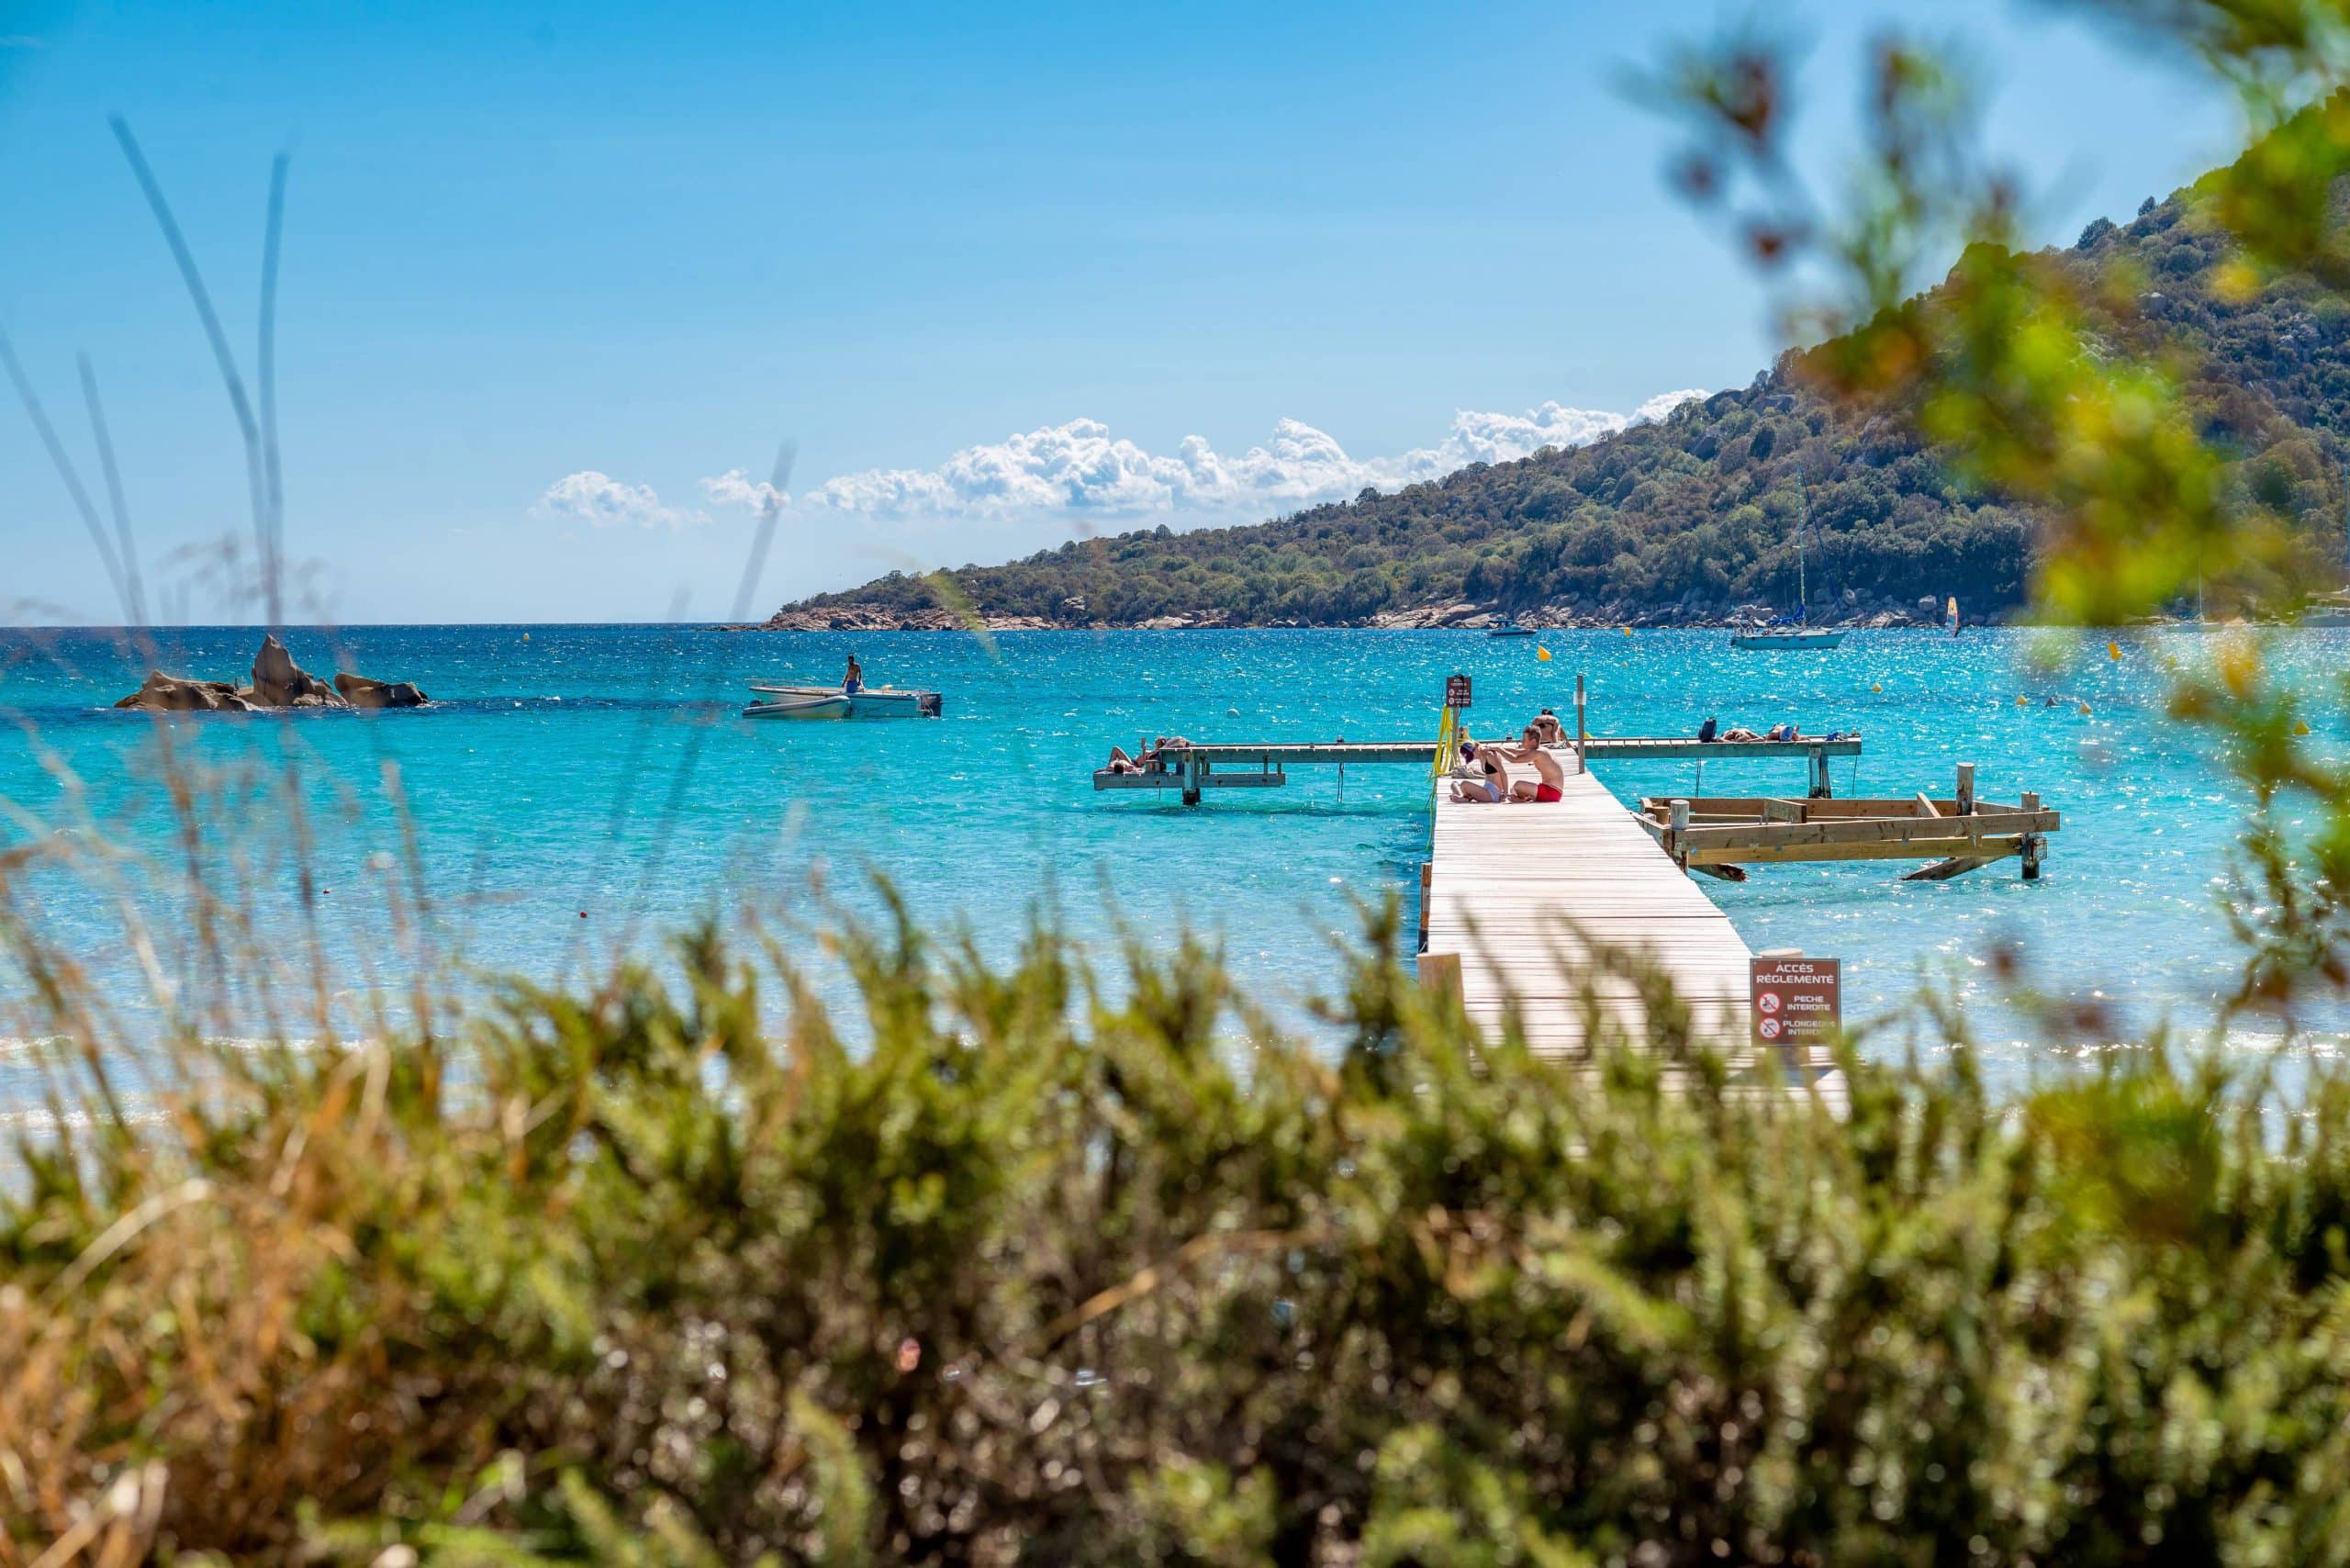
[(1797, 1002)]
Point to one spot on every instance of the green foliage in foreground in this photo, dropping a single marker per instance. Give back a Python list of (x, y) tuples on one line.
[(625, 1276)]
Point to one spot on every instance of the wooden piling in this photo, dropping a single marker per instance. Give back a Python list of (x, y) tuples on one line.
[(1581, 734)]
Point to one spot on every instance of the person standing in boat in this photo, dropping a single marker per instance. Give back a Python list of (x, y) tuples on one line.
[(853, 680)]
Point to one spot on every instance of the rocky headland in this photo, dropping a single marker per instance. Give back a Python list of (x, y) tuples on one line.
[(1858, 612)]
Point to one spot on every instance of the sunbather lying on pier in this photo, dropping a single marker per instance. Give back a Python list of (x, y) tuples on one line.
[(1547, 725)]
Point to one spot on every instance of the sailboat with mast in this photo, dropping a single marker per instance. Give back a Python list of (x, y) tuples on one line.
[(2334, 609), (1791, 631)]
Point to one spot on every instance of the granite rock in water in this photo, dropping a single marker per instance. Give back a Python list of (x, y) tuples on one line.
[(361, 692), (161, 693), (279, 682)]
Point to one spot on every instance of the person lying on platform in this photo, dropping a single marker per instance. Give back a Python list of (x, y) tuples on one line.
[(1547, 725), (1121, 763), (1740, 733), (1486, 789), (1552, 784)]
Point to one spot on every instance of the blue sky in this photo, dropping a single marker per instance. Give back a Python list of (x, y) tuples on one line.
[(550, 269)]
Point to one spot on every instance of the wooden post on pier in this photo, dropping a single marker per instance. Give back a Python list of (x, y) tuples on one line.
[(1819, 787), (1676, 846), (1581, 734), (2031, 847), (1965, 789), (1195, 770)]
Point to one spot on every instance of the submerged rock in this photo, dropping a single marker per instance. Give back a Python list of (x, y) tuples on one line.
[(161, 693), (279, 682), (359, 691)]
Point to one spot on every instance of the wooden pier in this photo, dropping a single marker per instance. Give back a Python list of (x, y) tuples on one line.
[(1521, 904), (1195, 769), (1548, 917), (1723, 835)]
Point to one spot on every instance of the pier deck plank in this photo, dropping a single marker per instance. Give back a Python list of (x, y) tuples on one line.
[(1524, 894)]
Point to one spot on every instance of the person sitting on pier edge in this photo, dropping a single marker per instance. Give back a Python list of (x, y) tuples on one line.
[(1547, 725), (853, 680), (1553, 786), (1474, 791), (1709, 731)]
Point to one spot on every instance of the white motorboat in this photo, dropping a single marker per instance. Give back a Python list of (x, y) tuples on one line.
[(831, 702)]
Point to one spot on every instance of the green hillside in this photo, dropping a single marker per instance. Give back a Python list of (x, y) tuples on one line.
[(1688, 518)]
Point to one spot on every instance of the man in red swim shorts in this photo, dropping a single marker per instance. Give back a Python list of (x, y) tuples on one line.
[(1552, 777)]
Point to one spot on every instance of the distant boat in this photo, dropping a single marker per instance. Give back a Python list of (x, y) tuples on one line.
[(1789, 631), (831, 702), (1509, 628), (2334, 609), (2328, 610), (1773, 636)]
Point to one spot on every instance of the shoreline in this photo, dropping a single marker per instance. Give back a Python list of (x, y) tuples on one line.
[(875, 618)]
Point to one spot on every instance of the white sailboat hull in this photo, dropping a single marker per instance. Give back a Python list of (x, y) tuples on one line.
[(1770, 641)]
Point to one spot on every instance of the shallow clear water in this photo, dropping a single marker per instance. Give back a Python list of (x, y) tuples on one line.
[(601, 770)]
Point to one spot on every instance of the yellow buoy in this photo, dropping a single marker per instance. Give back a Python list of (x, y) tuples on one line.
[(2114, 650), (2085, 708), (2024, 701), (2300, 727), (1542, 654), (1628, 631), (1877, 686)]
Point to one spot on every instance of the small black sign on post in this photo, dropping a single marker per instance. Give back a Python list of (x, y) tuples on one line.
[(1456, 691)]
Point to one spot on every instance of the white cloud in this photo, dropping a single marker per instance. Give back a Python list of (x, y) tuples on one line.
[(736, 489), (601, 502), (1080, 468)]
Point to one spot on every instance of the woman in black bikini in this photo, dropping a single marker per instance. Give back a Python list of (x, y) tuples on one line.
[(1487, 790)]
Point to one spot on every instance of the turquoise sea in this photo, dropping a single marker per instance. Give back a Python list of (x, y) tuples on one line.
[(564, 772)]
